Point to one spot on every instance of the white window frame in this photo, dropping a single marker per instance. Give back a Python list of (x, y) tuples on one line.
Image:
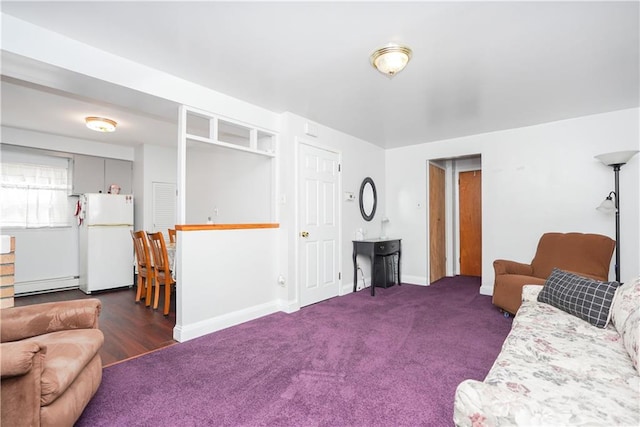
[(34, 191)]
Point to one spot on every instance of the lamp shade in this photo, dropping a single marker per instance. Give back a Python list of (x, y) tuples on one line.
[(616, 158), (100, 124), (607, 206), (391, 59)]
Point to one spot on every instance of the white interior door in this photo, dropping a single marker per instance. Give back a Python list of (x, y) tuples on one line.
[(318, 219)]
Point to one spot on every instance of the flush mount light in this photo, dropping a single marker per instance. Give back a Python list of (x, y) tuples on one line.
[(391, 59), (100, 124)]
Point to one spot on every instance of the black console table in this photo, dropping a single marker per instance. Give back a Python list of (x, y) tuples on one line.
[(377, 250)]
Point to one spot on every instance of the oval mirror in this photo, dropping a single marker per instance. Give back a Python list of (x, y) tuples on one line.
[(368, 199)]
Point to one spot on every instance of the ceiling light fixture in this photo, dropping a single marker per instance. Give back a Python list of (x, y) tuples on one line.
[(100, 124), (391, 59)]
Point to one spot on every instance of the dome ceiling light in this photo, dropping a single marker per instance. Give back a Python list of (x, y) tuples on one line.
[(391, 59), (100, 124)]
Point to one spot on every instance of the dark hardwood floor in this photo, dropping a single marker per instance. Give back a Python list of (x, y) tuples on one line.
[(130, 329)]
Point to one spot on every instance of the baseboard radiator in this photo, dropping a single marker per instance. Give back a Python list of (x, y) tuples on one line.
[(47, 285)]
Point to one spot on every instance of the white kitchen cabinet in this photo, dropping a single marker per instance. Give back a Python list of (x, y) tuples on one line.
[(96, 174)]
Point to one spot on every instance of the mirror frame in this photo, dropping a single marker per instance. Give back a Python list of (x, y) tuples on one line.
[(365, 215)]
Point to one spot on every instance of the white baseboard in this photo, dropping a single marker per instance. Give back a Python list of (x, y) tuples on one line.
[(346, 289), (183, 333), (288, 306), (486, 290), (38, 286), (415, 280)]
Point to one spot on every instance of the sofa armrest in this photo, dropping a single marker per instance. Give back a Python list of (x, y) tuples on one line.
[(480, 404), (38, 319), (21, 364), (502, 266), (17, 358), (530, 292)]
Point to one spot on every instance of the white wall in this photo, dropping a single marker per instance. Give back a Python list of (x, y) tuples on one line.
[(534, 180), (226, 277), (229, 186)]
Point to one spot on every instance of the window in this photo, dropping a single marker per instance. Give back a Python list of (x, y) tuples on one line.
[(33, 191)]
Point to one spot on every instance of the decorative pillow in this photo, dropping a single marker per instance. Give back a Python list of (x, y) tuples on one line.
[(625, 316), (585, 298)]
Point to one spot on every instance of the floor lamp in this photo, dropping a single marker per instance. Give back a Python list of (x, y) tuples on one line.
[(612, 202)]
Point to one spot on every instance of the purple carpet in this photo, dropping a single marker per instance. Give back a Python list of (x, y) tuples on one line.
[(390, 360)]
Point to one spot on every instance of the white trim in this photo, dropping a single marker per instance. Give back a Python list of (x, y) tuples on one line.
[(288, 306), (486, 290), (415, 280), (36, 286), (346, 288), (207, 326), (214, 137)]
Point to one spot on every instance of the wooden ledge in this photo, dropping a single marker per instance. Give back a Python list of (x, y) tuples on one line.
[(202, 227)]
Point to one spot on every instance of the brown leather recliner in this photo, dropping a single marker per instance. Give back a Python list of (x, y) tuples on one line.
[(587, 255), (50, 362)]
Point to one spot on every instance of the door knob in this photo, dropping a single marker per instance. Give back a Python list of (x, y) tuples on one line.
[(304, 234)]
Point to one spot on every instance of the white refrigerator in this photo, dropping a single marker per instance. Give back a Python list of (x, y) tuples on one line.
[(106, 247)]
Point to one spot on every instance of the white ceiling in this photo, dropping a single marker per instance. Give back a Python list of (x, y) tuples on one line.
[(477, 66)]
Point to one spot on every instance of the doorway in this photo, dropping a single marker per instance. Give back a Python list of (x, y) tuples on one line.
[(318, 219), (460, 249)]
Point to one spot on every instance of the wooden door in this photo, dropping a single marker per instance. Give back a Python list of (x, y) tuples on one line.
[(470, 204), (318, 218), (437, 243)]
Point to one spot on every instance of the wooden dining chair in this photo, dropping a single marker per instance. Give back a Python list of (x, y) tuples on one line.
[(162, 269), (172, 235), (145, 268)]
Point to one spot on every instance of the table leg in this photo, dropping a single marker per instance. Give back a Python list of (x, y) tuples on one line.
[(399, 283), (373, 285), (355, 270)]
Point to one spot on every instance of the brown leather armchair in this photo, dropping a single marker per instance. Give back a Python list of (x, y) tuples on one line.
[(50, 362), (588, 255)]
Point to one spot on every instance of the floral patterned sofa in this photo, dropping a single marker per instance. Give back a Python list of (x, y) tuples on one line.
[(556, 369)]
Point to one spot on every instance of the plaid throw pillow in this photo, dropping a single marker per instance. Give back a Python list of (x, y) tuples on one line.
[(585, 298)]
